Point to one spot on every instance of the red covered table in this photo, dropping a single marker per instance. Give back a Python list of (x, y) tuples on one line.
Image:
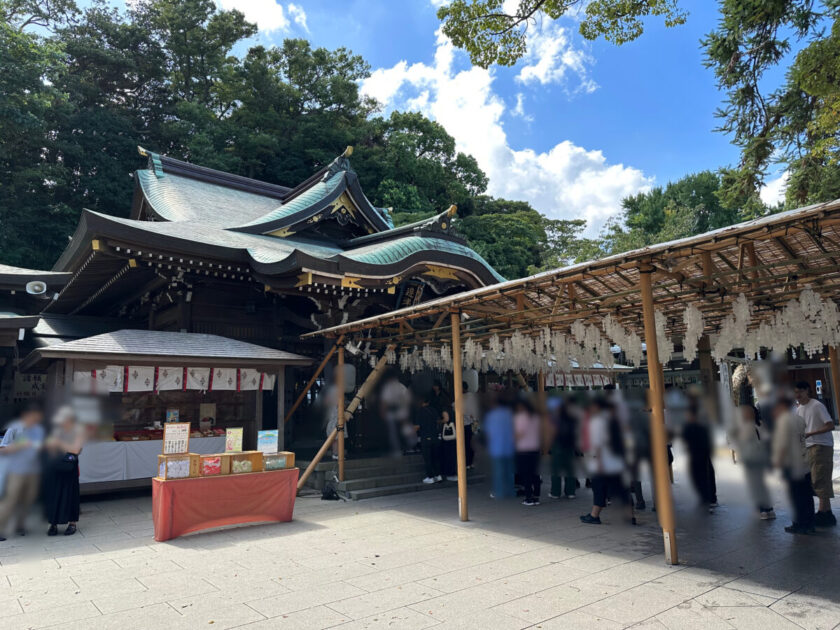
[(181, 506)]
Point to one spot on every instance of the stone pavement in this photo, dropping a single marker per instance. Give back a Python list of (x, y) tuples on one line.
[(406, 562)]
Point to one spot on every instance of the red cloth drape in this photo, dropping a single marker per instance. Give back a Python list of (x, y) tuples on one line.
[(181, 506)]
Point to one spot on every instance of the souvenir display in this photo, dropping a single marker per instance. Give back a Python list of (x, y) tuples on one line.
[(210, 465), (279, 461), (233, 440), (246, 461), (178, 466), (267, 441), (176, 437), (242, 466)]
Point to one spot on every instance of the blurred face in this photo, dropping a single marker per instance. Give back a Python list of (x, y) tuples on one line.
[(31, 418), (801, 395), (747, 414)]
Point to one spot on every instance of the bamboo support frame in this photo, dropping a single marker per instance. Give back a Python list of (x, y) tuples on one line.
[(369, 383), (312, 380), (340, 418), (659, 440)]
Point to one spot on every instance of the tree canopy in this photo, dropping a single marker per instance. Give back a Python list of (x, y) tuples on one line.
[(80, 88)]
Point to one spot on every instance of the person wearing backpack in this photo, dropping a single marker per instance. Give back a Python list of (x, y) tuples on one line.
[(603, 446)]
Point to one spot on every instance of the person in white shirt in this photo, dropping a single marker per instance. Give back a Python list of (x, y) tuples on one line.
[(471, 414), (819, 445), (789, 456), (603, 447)]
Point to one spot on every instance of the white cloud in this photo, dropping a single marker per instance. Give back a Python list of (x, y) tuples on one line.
[(298, 15), (551, 56), (268, 15), (773, 192), (518, 110), (566, 181)]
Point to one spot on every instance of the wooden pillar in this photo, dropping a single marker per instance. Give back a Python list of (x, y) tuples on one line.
[(835, 379), (460, 440), (659, 440), (281, 406), (339, 386)]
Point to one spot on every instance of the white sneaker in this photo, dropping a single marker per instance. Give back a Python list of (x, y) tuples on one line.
[(452, 477), (439, 478), (429, 480), (768, 515)]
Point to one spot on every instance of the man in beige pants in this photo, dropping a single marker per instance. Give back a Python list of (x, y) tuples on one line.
[(19, 451)]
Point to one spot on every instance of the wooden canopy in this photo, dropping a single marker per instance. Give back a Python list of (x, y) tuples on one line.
[(770, 260)]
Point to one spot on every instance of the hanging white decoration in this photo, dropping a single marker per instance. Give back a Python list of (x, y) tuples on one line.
[(694, 324), (664, 345)]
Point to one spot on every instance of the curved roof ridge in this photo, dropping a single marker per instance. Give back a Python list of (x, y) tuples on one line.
[(161, 164)]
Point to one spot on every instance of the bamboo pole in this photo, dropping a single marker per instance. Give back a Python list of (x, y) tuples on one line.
[(317, 459), (460, 440), (314, 378), (835, 378), (370, 381), (340, 418), (659, 441)]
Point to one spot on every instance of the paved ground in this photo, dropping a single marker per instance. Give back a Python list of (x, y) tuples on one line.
[(407, 562)]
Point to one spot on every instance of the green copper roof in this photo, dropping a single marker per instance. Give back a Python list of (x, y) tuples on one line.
[(266, 249), (394, 251), (177, 198), (309, 197)]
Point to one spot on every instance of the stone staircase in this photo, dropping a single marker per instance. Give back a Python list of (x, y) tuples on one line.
[(377, 476)]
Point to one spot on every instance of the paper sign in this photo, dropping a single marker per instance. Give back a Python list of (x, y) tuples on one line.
[(176, 438), (267, 441), (172, 415), (233, 440)]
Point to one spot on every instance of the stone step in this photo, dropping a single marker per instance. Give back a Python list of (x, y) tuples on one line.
[(384, 491), (365, 468), (380, 480)]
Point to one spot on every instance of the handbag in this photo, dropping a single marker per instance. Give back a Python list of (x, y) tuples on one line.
[(448, 432), (66, 463)]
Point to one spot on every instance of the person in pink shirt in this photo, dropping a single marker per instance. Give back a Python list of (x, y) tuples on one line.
[(527, 427)]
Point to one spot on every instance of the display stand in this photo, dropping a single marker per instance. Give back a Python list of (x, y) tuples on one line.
[(181, 506)]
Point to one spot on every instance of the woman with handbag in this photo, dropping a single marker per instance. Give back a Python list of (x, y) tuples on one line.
[(61, 473), (450, 454)]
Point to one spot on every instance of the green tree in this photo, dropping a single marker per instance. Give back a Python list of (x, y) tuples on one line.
[(409, 159), (691, 205), (31, 224), (495, 31), (797, 124)]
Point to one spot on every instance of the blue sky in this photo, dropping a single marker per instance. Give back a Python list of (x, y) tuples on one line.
[(571, 128)]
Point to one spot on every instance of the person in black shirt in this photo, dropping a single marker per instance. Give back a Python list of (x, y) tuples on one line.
[(439, 399), (426, 418)]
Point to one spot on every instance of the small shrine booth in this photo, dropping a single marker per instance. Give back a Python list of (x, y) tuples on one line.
[(126, 383)]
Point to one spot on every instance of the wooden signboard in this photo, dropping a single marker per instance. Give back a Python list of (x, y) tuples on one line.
[(233, 440), (176, 438)]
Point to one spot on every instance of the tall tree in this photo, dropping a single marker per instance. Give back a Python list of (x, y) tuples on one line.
[(797, 124), (495, 31)]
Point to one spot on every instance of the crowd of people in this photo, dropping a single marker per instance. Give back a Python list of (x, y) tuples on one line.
[(35, 462), (601, 440)]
